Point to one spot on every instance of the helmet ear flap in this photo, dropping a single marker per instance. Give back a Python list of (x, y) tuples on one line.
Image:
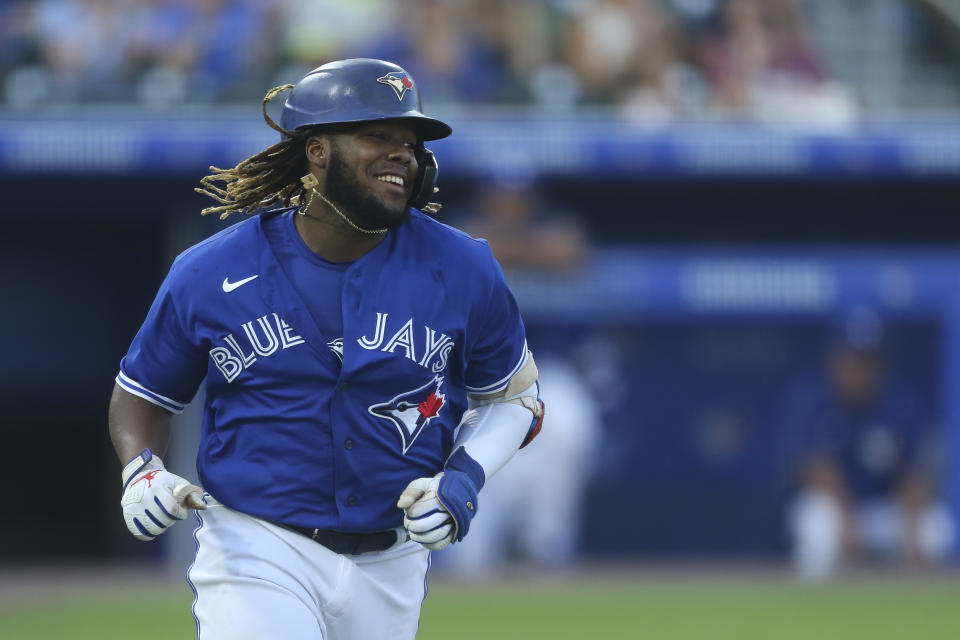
[(426, 183)]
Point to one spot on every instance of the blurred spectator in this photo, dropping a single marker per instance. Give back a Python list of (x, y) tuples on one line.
[(623, 52), (524, 233), (155, 29), (316, 32), (759, 60), (441, 46), (160, 52), (207, 47), (75, 37), (24, 77), (17, 43), (651, 60), (868, 472), (529, 513), (519, 33)]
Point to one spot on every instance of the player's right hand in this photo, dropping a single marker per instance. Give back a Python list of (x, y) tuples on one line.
[(153, 498)]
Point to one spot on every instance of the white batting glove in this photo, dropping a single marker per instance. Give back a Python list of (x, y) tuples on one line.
[(425, 519), (153, 498)]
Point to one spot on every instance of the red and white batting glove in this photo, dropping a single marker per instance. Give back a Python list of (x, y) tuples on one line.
[(153, 498)]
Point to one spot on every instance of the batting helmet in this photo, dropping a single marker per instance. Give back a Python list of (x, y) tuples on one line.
[(358, 90), (361, 90)]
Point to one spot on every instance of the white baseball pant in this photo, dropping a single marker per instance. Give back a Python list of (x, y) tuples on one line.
[(254, 580)]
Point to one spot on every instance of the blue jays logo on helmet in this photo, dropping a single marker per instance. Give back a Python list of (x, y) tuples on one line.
[(410, 412), (399, 81)]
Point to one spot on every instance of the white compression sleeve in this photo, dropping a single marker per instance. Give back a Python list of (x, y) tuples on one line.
[(492, 433)]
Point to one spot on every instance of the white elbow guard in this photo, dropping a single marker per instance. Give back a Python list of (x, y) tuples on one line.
[(524, 390)]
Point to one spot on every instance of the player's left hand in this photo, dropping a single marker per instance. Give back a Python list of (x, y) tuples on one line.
[(425, 519), (438, 510)]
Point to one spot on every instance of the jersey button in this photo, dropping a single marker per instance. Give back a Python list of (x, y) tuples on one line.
[(344, 386), (351, 500), (348, 444)]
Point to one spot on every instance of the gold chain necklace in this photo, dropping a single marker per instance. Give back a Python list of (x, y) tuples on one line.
[(313, 192)]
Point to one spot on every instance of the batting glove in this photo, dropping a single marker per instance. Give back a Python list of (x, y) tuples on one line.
[(425, 519), (153, 498), (438, 510)]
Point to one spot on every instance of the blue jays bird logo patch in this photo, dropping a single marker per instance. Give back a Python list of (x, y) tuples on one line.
[(398, 81), (410, 412)]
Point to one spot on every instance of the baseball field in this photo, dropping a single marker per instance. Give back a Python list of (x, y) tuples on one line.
[(610, 606)]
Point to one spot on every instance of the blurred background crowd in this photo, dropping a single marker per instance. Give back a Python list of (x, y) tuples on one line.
[(652, 60), (749, 341)]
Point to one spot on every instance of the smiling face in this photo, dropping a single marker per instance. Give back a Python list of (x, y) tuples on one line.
[(371, 170)]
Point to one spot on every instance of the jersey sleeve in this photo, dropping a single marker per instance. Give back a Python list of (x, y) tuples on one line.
[(162, 364), (498, 346)]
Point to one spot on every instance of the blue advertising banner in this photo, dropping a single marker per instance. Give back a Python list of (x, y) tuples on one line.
[(123, 141)]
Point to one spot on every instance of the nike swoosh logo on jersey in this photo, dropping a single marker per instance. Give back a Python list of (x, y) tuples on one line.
[(230, 286)]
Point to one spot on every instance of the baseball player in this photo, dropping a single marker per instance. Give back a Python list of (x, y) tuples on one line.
[(366, 371), (867, 482)]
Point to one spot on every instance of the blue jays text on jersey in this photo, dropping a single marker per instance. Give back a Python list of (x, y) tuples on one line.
[(318, 430), (264, 336)]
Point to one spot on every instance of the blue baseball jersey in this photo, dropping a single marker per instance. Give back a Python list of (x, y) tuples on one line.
[(874, 444), (309, 428)]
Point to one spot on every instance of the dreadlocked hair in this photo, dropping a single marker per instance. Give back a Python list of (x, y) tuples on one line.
[(269, 177)]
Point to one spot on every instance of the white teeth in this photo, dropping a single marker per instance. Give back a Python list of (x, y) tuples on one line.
[(394, 179)]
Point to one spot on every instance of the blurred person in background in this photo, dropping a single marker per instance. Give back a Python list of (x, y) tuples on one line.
[(327, 29), (439, 41), (156, 31), (18, 46), (530, 516), (867, 467), (525, 233), (622, 52), (157, 52), (75, 69), (520, 35), (203, 51), (652, 61), (759, 59)]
